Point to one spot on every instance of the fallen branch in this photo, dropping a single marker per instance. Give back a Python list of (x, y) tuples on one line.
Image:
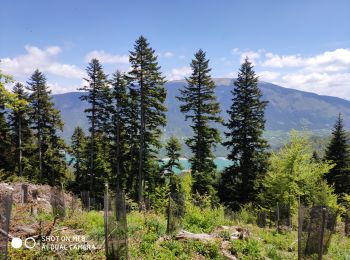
[(6, 234), (185, 235)]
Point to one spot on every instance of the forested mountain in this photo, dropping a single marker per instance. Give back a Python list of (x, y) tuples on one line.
[(287, 109)]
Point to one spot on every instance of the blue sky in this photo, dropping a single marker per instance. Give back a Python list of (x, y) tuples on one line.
[(302, 44)]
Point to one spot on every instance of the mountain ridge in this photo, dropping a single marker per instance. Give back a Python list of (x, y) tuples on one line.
[(288, 108)]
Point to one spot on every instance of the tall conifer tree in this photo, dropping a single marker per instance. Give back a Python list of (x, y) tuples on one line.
[(119, 135), (46, 122), (20, 126), (201, 107), (97, 96), (80, 160), (338, 152), (146, 78), (247, 148)]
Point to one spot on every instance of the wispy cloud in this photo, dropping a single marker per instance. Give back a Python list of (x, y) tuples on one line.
[(178, 73), (106, 57), (42, 59)]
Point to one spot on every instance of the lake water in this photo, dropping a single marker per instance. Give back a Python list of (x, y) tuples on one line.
[(220, 162)]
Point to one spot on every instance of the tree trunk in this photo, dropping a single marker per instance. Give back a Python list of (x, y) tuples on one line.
[(20, 146)]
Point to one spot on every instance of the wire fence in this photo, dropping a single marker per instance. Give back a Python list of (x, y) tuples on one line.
[(89, 202), (175, 211), (115, 225), (347, 223), (57, 202), (280, 217), (5, 215), (24, 193), (316, 227)]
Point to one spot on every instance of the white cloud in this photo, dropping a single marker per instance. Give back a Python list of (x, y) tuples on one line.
[(42, 59), (268, 76), (253, 56), (277, 61), (168, 54), (105, 57), (331, 61), (333, 84), (179, 73), (59, 88)]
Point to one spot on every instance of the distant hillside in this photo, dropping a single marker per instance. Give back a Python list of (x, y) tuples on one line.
[(287, 109)]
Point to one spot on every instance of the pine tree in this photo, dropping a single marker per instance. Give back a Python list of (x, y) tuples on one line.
[(132, 128), (6, 151), (119, 137), (146, 78), (97, 95), (46, 122), (200, 106), (80, 159), (338, 152), (247, 148), (20, 126), (173, 150)]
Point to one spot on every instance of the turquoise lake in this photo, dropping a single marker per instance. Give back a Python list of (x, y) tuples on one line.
[(220, 162)]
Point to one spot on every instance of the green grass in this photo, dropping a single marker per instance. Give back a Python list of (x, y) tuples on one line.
[(148, 239)]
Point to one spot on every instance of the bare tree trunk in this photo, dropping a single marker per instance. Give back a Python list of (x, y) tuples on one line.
[(141, 152), (92, 146), (20, 146), (40, 153)]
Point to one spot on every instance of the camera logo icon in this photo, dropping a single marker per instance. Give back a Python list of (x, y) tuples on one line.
[(29, 243)]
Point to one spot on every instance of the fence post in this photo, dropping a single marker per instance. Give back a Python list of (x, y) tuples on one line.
[(106, 202), (300, 226), (320, 255), (277, 216), (169, 214), (347, 223)]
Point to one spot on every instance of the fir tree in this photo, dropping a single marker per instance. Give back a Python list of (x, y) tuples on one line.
[(133, 138), (20, 126), (46, 122), (119, 120), (97, 95), (146, 78), (173, 150), (338, 152), (80, 162), (200, 106), (247, 148), (6, 151)]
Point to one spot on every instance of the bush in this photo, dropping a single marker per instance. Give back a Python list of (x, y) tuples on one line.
[(246, 249), (200, 220)]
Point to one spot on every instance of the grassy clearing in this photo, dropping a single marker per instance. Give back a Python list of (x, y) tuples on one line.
[(148, 240)]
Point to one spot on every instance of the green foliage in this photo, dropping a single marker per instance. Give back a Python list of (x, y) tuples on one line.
[(338, 152), (91, 222), (46, 122), (247, 148), (173, 152), (199, 220), (293, 173), (199, 104), (146, 79), (159, 198), (246, 249)]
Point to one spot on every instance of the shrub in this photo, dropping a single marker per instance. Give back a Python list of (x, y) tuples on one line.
[(246, 249)]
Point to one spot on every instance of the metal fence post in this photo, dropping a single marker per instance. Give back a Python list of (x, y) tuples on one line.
[(106, 202), (320, 255), (277, 216), (300, 226)]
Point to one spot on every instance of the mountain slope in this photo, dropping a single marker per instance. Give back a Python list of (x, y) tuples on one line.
[(287, 109)]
